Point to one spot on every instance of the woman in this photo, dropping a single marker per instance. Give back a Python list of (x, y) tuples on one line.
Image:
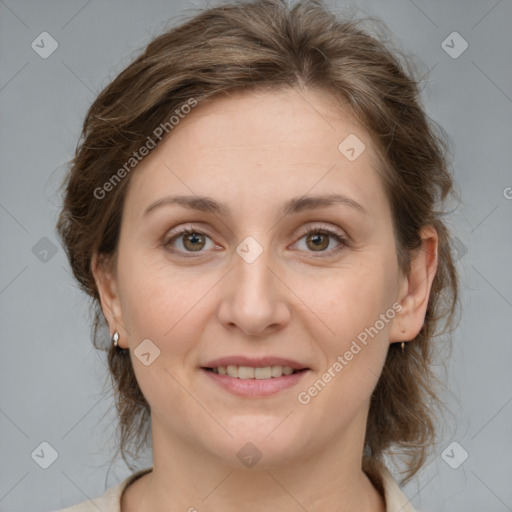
[(254, 209)]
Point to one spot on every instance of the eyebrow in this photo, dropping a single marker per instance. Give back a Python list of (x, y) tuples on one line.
[(295, 205)]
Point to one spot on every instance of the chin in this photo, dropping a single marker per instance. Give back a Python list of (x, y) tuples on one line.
[(256, 442)]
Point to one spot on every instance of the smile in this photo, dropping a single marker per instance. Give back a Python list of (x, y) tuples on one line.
[(254, 387), (249, 372)]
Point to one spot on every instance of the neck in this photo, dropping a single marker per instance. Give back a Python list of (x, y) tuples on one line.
[(331, 479)]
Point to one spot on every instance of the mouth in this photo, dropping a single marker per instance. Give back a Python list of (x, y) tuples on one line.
[(247, 377)]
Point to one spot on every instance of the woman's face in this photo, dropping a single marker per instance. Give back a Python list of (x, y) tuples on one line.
[(249, 287)]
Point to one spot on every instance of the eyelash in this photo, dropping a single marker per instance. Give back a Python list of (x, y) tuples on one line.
[(190, 230)]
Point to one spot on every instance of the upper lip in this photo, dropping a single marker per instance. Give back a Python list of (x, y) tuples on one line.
[(254, 362)]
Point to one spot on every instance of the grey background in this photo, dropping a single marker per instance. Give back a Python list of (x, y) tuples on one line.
[(51, 377)]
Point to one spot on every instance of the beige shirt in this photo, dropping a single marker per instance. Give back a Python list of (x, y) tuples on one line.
[(395, 500)]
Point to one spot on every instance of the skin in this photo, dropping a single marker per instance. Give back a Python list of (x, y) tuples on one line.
[(253, 152)]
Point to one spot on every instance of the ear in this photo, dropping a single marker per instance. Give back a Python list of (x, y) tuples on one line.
[(104, 274), (415, 289)]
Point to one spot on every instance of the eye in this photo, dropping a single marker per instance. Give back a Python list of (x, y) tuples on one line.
[(319, 239), (188, 240)]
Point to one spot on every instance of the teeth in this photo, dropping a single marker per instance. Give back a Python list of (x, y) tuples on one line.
[(245, 372), (276, 371), (263, 373), (232, 371), (248, 372)]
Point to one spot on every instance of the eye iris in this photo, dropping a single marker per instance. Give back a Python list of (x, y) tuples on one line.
[(316, 238), (191, 240)]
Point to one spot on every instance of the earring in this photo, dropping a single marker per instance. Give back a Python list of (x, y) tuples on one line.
[(402, 345), (115, 339)]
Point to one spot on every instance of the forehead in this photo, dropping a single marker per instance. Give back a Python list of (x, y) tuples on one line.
[(261, 145)]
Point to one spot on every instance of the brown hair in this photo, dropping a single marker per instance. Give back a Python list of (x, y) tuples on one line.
[(239, 46)]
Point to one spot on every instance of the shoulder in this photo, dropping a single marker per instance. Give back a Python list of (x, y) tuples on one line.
[(381, 477), (396, 500), (110, 501)]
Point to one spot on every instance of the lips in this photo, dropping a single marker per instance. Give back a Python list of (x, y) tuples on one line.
[(254, 377)]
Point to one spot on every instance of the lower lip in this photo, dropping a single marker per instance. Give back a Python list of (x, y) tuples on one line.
[(255, 387)]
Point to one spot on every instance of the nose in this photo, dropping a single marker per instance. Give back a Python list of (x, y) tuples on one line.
[(254, 298)]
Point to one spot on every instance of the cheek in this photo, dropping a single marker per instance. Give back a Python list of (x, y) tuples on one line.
[(163, 308), (356, 343), (355, 353), (352, 301), (161, 304)]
